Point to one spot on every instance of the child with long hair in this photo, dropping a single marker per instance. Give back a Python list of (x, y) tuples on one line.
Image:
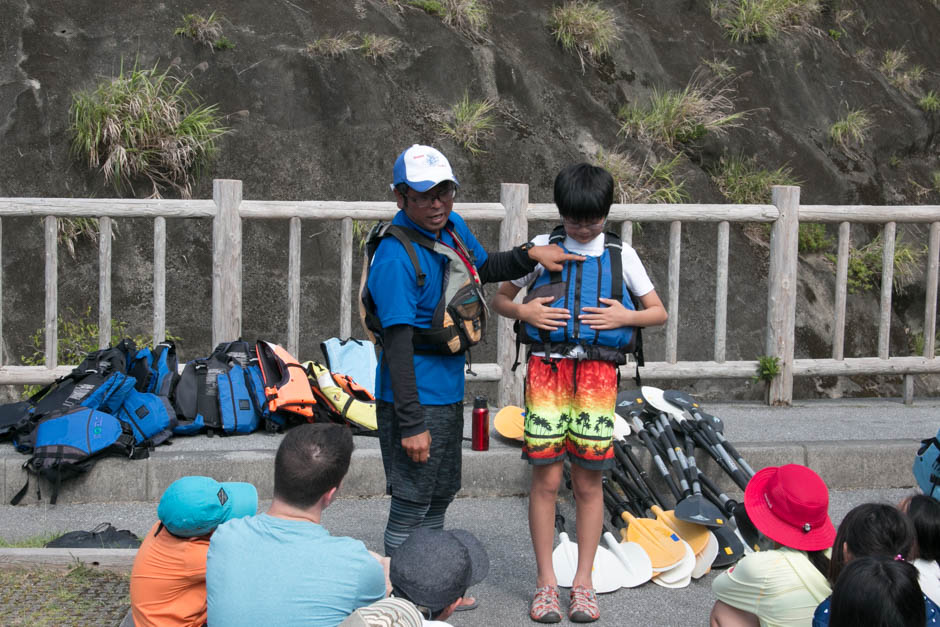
[(878, 592), (924, 513), (870, 530)]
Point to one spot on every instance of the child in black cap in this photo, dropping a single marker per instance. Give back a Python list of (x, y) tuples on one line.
[(433, 569)]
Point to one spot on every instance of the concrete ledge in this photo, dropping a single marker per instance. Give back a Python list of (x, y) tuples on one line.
[(120, 560), (848, 465), (497, 472)]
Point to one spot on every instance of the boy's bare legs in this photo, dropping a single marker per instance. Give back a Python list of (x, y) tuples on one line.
[(542, 496), (589, 506)]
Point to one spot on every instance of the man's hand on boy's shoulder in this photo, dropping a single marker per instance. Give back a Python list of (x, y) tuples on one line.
[(552, 256), (613, 316)]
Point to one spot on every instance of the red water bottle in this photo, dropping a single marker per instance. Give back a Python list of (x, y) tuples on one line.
[(480, 428)]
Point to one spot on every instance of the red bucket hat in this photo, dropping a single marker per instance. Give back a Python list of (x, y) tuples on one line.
[(790, 504)]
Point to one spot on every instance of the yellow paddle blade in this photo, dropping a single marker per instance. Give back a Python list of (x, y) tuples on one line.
[(661, 543), (695, 535), (509, 422)]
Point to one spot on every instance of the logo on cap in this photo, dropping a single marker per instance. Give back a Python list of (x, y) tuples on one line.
[(223, 497)]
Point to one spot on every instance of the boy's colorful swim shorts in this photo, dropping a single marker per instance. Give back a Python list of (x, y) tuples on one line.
[(570, 407)]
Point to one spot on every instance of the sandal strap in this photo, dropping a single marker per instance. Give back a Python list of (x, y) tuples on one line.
[(584, 599), (545, 602)]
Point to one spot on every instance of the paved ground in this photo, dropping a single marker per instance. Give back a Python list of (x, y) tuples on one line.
[(852, 443), (499, 522)]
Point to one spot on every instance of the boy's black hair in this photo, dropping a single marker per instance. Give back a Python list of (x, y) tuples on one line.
[(871, 529), (877, 591), (584, 192), (924, 513), (311, 460)]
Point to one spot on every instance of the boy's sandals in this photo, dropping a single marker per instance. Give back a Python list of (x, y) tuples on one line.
[(583, 607), (545, 605)]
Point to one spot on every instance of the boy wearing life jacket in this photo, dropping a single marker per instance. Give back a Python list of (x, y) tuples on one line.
[(419, 385), (580, 324)]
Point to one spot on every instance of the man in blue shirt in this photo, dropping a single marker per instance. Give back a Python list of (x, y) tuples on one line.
[(420, 392), (283, 567)]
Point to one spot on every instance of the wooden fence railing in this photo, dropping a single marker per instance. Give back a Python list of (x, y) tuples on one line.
[(513, 212)]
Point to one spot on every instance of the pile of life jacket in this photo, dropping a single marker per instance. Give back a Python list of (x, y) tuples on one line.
[(113, 403), (121, 401)]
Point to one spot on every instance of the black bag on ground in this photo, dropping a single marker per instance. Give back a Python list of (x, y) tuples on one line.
[(104, 536)]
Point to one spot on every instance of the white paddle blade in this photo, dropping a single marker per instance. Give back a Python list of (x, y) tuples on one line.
[(621, 428), (656, 398), (635, 563), (607, 573), (683, 570), (703, 561), (565, 560)]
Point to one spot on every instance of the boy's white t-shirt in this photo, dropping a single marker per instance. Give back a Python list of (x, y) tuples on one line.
[(634, 274)]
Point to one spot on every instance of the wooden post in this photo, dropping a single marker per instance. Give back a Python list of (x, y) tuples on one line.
[(513, 231), (930, 310), (345, 279), (781, 291), (104, 282), (293, 288), (626, 232), (159, 280), (226, 261), (52, 291), (842, 274), (672, 323), (1, 294), (887, 283), (721, 291)]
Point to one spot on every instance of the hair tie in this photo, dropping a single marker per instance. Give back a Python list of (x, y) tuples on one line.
[(898, 558)]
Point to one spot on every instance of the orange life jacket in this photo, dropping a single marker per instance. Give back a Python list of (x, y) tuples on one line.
[(286, 386)]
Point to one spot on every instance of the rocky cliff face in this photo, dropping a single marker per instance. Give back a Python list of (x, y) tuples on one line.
[(308, 126)]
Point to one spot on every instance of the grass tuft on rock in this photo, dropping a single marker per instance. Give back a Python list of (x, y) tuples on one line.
[(145, 125), (472, 120), (204, 30), (652, 181), (850, 132), (742, 181), (763, 20), (375, 47), (585, 28), (682, 116), (335, 46), (468, 17), (929, 102)]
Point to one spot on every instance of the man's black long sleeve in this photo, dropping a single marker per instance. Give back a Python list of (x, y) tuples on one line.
[(506, 265), (398, 351)]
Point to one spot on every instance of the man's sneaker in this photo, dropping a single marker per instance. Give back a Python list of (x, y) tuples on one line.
[(545, 606), (583, 608)]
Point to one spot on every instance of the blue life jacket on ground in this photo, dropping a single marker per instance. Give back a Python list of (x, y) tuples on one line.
[(67, 444), (581, 284)]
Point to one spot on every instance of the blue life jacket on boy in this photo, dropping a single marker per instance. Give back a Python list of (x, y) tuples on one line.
[(581, 284)]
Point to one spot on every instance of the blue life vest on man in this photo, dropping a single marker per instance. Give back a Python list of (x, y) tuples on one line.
[(581, 284)]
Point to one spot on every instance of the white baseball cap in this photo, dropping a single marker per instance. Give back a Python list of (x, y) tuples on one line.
[(421, 168)]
